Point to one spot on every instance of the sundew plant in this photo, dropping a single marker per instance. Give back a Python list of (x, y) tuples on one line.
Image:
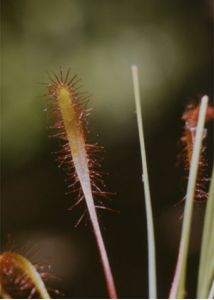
[(83, 170)]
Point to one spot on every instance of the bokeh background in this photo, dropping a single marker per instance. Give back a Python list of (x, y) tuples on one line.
[(171, 41)]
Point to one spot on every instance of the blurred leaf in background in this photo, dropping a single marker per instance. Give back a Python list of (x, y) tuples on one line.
[(99, 41)]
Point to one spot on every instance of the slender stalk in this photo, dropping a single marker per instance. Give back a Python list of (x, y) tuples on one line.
[(178, 285), (101, 246), (206, 266), (145, 179)]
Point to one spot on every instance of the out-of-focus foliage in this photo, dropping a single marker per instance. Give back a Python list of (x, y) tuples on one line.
[(98, 40)]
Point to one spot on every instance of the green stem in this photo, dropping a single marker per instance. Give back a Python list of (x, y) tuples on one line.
[(145, 179), (211, 293), (178, 285), (206, 266)]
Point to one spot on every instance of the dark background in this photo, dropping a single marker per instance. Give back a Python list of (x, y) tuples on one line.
[(171, 41)]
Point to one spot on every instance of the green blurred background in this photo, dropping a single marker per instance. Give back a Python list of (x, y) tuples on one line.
[(171, 41)]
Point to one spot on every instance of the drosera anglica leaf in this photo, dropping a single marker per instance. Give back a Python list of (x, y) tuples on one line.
[(77, 156), (19, 276), (190, 118)]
